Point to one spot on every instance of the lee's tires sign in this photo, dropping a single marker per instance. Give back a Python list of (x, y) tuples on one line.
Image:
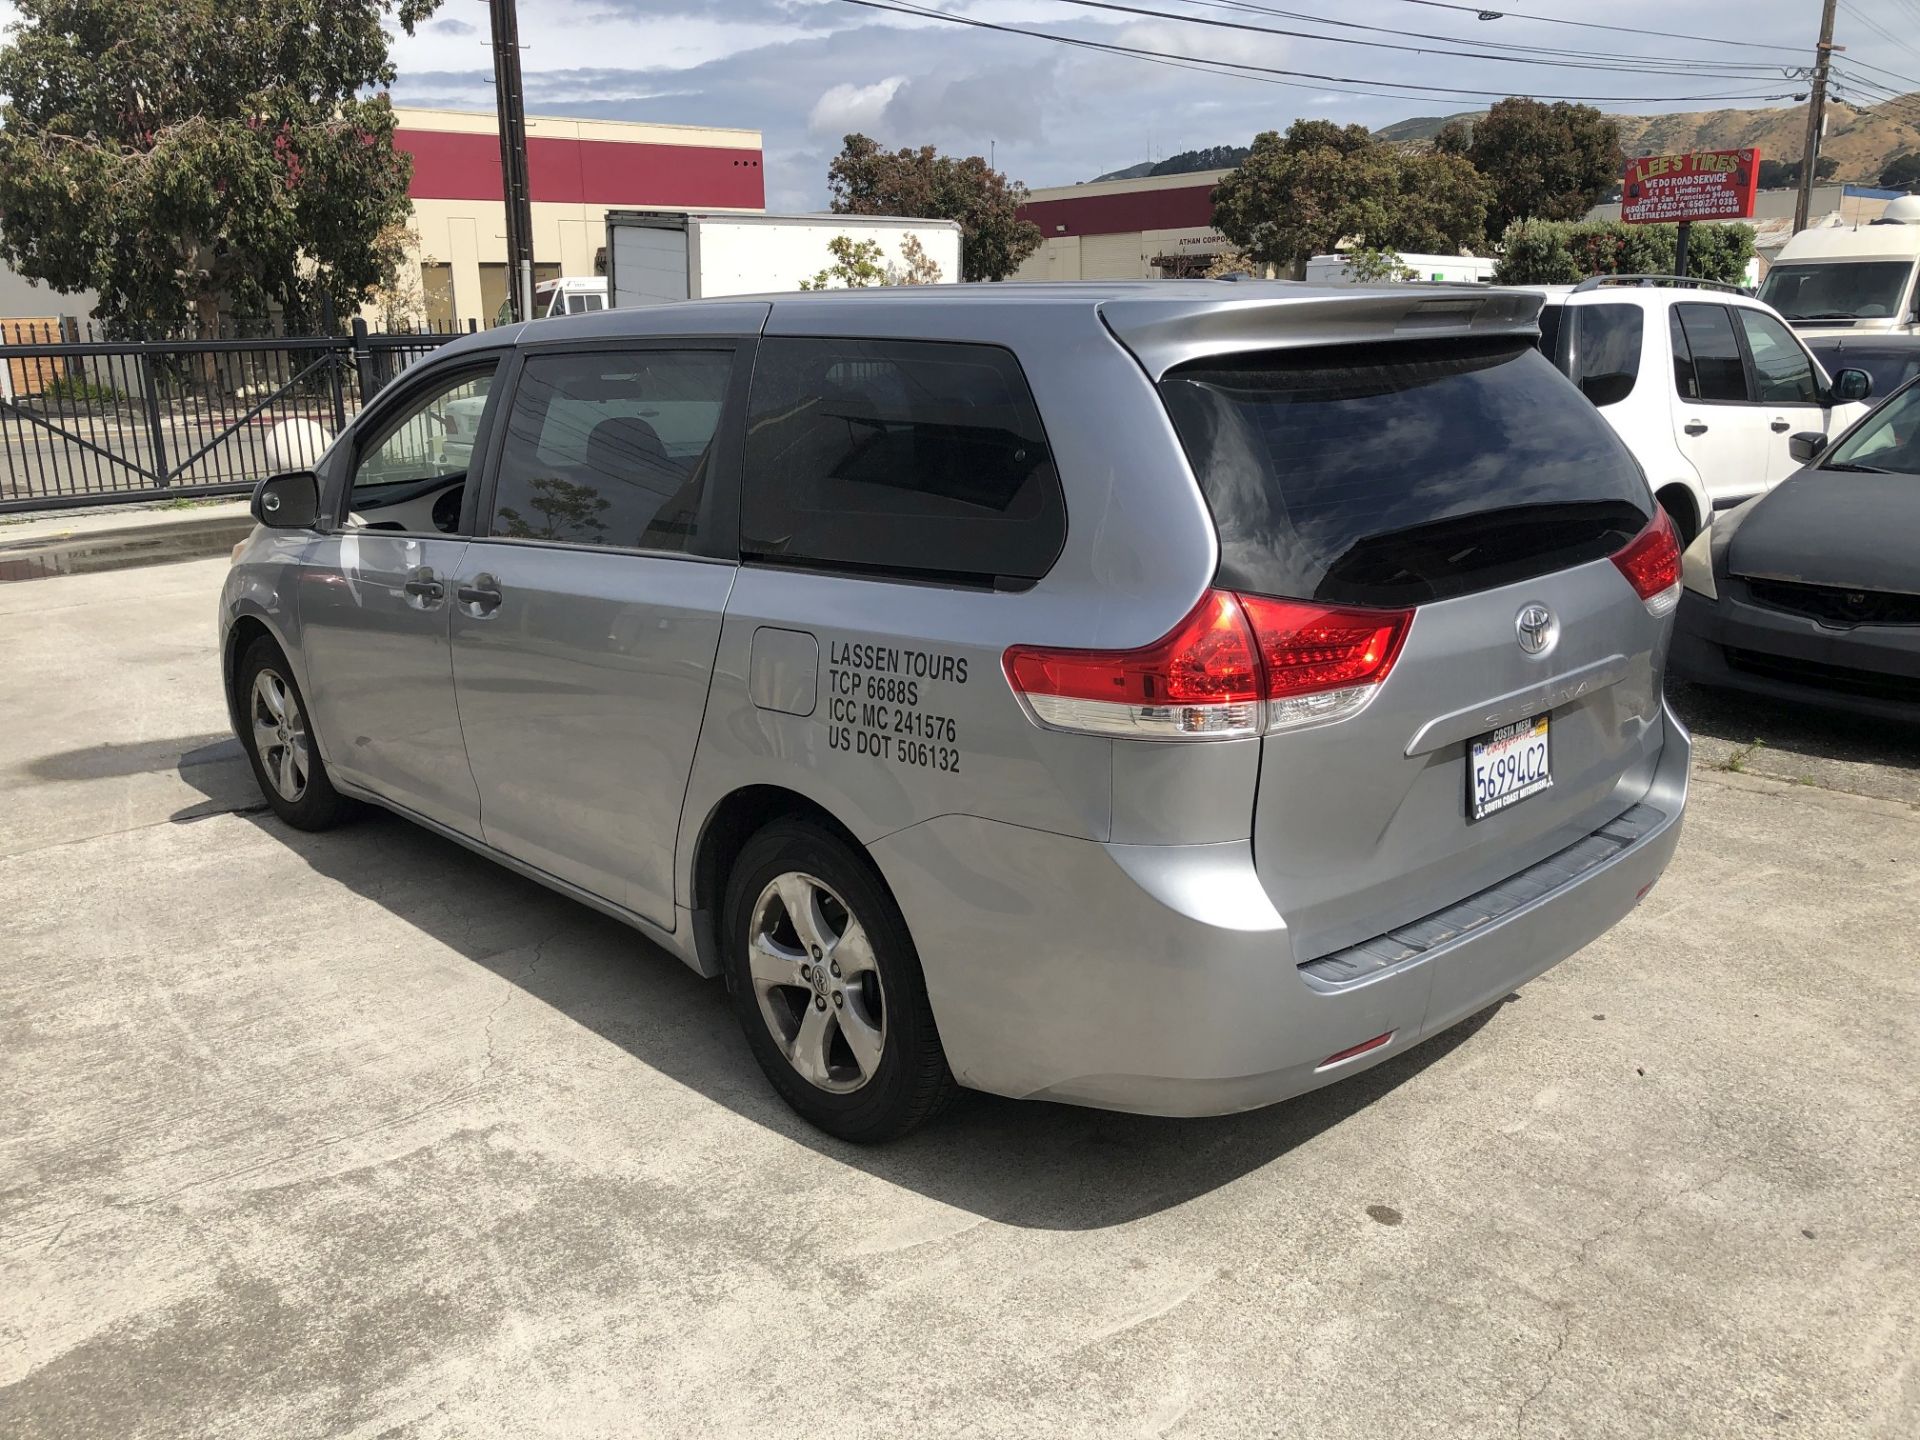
[(1702, 185)]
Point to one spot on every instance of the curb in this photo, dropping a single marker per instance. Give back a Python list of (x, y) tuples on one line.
[(162, 540)]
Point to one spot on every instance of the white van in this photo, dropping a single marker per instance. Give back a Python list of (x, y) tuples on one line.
[(1851, 279), (569, 295)]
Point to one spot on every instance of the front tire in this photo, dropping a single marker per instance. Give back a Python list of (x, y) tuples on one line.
[(827, 986), (278, 738)]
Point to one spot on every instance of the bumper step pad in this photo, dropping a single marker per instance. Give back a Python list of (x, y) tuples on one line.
[(1397, 947)]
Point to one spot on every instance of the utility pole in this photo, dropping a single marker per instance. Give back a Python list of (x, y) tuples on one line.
[(510, 101), (1816, 116)]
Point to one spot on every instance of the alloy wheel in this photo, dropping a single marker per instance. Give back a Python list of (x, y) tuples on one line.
[(817, 983), (280, 735)]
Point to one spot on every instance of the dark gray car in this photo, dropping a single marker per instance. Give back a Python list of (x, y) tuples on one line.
[(1812, 591), (1169, 697)]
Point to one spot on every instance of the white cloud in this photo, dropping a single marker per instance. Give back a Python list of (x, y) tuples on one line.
[(846, 108)]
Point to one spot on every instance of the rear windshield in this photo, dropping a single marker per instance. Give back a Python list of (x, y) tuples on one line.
[(1401, 474)]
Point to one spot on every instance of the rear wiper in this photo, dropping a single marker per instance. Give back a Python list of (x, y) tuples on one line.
[(1848, 465)]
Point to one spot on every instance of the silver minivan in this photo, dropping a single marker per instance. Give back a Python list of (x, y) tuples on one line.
[(1169, 697)]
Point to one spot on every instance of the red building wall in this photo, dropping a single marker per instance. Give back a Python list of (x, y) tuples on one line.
[(452, 165), (1181, 208)]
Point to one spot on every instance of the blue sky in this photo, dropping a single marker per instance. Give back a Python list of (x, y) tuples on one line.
[(806, 71)]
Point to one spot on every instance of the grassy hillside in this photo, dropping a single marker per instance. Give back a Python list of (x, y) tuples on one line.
[(1861, 140)]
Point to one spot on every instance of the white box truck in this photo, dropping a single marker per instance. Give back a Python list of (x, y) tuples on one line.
[(654, 256)]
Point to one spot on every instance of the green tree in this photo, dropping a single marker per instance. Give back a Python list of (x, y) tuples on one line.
[(1302, 193), (1544, 162), (856, 264), (867, 180), (1371, 267), (1902, 172), (1557, 252), (1781, 174), (190, 160), (859, 263), (1213, 157)]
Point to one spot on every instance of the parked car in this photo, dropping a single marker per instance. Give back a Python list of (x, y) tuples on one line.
[(1702, 382), (1812, 591), (1169, 697), (1891, 360)]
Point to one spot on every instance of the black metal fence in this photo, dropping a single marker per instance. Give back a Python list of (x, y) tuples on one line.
[(85, 421)]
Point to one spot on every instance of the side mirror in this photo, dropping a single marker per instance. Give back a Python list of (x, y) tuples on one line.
[(288, 502), (1851, 385), (1807, 446)]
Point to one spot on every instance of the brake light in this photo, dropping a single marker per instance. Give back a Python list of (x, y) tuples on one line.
[(1237, 665), (1322, 662), (1201, 680), (1651, 563)]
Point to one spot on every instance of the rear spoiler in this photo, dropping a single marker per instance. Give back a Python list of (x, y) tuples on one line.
[(1166, 333)]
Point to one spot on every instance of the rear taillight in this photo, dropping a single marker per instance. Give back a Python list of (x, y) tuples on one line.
[(1236, 665), (1322, 662), (1651, 563), (1201, 680)]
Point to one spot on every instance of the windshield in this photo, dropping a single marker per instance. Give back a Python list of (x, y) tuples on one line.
[(1837, 290), (1889, 440)]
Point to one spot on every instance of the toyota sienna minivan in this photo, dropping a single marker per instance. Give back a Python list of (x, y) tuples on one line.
[(1169, 697)]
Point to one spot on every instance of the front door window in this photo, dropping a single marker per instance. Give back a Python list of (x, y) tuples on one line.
[(412, 475)]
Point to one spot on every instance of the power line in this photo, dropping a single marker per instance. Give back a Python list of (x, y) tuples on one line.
[(1481, 10), (1678, 64), (1256, 72), (1878, 29), (1240, 25)]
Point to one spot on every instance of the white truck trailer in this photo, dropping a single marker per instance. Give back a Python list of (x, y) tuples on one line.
[(654, 256), (1447, 269)]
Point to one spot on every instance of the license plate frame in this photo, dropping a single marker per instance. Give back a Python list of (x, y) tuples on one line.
[(1514, 745)]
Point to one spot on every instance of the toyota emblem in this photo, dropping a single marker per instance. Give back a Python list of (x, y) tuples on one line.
[(1536, 629)]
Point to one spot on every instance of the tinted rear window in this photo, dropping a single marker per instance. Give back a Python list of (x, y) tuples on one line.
[(1396, 475), (898, 456)]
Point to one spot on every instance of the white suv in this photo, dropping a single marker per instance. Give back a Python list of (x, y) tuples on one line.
[(1704, 384)]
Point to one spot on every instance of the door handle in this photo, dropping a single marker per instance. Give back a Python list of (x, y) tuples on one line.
[(482, 597), (1780, 427), (1696, 427), (422, 585)]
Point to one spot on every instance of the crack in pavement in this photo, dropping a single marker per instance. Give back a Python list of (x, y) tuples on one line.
[(1605, 1232), (514, 986)]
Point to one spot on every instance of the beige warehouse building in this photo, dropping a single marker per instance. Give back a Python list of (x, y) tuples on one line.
[(577, 171)]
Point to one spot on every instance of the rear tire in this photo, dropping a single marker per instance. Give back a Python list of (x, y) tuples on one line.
[(1677, 501), (277, 735), (827, 987)]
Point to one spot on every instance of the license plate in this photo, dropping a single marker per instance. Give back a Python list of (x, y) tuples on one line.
[(1507, 766)]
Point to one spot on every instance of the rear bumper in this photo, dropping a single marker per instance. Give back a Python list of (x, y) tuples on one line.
[(1734, 644), (1160, 979)]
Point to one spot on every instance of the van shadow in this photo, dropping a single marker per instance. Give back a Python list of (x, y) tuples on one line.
[(1025, 1163)]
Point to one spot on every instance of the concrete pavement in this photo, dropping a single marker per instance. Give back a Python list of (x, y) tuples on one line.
[(359, 1135)]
